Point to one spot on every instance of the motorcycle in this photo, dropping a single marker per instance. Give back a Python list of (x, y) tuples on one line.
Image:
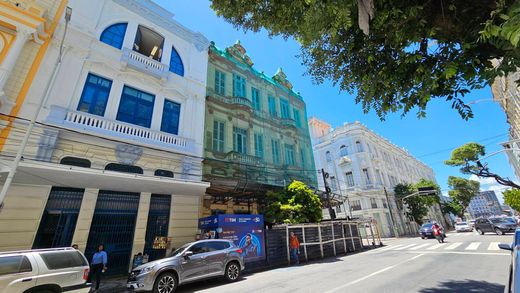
[(437, 232)]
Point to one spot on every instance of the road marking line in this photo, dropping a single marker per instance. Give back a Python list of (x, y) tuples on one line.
[(389, 247), (473, 246), (494, 246), (453, 246), (372, 274), (420, 246), (461, 252), (436, 246), (404, 247)]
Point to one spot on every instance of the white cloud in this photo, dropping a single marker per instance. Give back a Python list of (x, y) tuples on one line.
[(483, 180), (487, 183)]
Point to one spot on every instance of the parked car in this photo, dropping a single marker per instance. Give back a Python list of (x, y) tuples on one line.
[(500, 226), (192, 262), (513, 284), (426, 231), (43, 271), (463, 227), (472, 223)]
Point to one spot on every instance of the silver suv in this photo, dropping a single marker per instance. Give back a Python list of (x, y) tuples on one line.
[(43, 271), (191, 262)]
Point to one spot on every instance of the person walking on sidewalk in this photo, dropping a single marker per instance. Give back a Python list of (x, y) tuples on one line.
[(97, 266), (294, 245)]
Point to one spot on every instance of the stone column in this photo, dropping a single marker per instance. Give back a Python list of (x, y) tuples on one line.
[(184, 215), (140, 223), (22, 36), (86, 213)]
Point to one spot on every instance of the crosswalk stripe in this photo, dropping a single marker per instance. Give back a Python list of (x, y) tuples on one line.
[(390, 247), (493, 246), (473, 246), (420, 246), (405, 247), (435, 246), (453, 246)]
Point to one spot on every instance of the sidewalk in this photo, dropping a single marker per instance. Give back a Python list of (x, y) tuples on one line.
[(112, 285)]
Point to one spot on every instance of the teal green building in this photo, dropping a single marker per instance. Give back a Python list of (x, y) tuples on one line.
[(256, 134)]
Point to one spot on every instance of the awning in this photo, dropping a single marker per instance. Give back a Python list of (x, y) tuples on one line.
[(42, 173)]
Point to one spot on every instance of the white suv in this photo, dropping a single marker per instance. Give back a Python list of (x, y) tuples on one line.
[(43, 271)]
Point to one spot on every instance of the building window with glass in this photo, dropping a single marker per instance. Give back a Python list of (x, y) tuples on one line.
[(95, 94), (349, 179), (373, 203), (170, 117), (114, 35), (255, 97), (176, 65), (367, 176), (359, 146), (333, 183), (297, 118), (136, 107), (343, 150), (218, 136), (284, 108), (272, 106), (275, 149), (259, 145), (239, 86), (378, 177), (289, 155), (240, 140), (220, 83), (302, 157), (328, 156), (356, 205)]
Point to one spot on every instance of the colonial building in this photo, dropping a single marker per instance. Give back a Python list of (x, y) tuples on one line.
[(485, 204), (506, 92), (256, 135), (116, 155), (363, 169)]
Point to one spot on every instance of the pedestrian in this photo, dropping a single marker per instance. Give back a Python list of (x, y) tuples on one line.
[(97, 266), (294, 245), (75, 246)]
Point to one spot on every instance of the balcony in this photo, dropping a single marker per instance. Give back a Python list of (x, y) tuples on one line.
[(102, 126), (243, 158), (144, 64), (288, 122), (241, 101)]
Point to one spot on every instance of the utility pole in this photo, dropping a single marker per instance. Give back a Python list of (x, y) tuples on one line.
[(43, 100), (396, 234), (325, 175)]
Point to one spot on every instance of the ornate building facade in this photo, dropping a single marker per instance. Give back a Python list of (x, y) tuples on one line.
[(116, 154), (256, 136), (363, 170)]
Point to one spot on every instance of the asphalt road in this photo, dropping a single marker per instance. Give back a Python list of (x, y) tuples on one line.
[(467, 262)]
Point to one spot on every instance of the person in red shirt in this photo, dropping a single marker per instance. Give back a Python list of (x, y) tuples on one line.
[(294, 246)]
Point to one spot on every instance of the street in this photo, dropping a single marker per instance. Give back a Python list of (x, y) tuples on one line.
[(467, 262)]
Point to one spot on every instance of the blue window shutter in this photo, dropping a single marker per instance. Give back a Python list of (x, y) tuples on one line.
[(136, 107), (114, 35), (94, 97), (170, 117), (176, 65)]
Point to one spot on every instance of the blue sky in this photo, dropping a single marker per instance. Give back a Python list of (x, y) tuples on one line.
[(429, 139)]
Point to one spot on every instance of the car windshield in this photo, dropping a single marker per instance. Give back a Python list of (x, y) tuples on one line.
[(498, 220), (461, 224), (180, 249), (427, 225)]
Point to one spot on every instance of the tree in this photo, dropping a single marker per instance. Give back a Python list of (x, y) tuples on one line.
[(395, 55), (468, 157), (463, 190), (295, 204), (512, 198), (417, 206), (452, 207)]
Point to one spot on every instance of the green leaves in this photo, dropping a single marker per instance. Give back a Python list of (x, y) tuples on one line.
[(295, 204), (512, 198), (416, 51), (463, 190), (417, 205)]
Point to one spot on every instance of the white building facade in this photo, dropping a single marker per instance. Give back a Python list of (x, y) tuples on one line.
[(363, 169), (485, 204), (116, 155)]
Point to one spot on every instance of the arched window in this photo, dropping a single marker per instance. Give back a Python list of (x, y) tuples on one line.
[(343, 150), (328, 156), (359, 146), (124, 168), (163, 173), (73, 161), (114, 35), (176, 63)]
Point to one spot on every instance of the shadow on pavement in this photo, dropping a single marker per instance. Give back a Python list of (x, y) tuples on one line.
[(465, 286)]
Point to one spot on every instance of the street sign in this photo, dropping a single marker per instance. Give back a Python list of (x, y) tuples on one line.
[(428, 190)]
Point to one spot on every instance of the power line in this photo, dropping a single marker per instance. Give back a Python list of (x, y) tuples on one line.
[(452, 148)]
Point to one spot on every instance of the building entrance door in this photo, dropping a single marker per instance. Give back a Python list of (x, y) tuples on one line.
[(113, 225), (157, 226)]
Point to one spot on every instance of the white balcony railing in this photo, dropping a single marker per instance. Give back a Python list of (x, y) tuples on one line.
[(113, 128), (144, 63)]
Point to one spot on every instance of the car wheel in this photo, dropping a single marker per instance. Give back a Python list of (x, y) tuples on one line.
[(232, 272), (480, 232), (165, 283), (499, 232)]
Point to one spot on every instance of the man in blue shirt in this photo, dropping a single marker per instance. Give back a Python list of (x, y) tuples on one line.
[(97, 266)]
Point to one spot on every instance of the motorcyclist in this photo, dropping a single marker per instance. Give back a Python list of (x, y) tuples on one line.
[(437, 230)]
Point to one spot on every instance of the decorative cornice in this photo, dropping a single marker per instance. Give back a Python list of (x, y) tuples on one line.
[(163, 18), (238, 52), (281, 78)]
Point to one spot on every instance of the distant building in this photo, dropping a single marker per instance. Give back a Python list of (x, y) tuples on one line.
[(361, 165), (485, 204)]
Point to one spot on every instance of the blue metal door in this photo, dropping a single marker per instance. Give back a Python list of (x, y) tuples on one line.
[(158, 220), (113, 225), (59, 218)]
